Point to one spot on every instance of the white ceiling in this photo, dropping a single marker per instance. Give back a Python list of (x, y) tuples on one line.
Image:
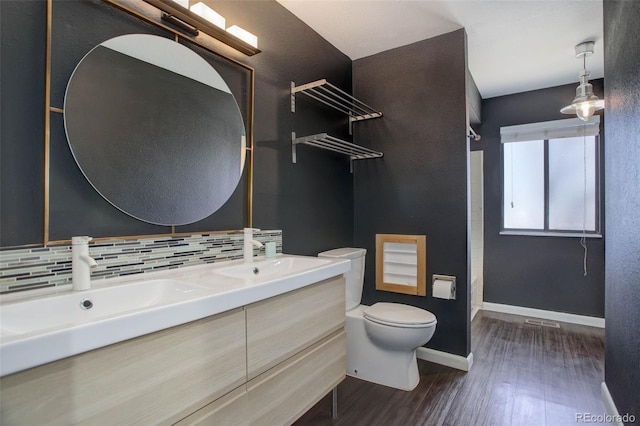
[(514, 45)]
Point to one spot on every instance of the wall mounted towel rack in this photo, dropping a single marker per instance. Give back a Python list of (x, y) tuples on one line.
[(325, 141), (334, 97)]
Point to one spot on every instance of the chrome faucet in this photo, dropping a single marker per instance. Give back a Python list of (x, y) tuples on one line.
[(249, 242), (81, 263)]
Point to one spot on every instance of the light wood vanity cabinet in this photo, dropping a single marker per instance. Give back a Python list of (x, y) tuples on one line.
[(265, 363), (296, 353)]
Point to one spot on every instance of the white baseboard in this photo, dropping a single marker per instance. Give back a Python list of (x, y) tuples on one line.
[(610, 405), (445, 358), (549, 315), (474, 312)]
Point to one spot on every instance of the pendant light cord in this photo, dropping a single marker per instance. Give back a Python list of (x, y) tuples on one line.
[(512, 183), (583, 240)]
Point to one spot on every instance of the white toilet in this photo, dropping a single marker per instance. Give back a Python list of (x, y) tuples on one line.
[(381, 339)]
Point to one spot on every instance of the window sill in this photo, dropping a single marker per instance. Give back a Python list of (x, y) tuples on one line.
[(549, 234)]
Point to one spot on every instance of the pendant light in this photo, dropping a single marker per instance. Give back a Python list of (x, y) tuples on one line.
[(585, 103)]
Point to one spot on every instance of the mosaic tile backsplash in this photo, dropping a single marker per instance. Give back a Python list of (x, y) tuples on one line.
[(31, 268)]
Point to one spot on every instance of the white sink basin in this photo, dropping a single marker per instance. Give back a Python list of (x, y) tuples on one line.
[(86, 306), (271, 268)]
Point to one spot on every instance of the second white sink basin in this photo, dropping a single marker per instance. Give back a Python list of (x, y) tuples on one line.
[(84, 306), (271, 268)]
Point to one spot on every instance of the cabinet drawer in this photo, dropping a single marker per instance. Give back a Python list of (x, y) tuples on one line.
[(281, 326), (230, 410), (157, 378), (283, 394)]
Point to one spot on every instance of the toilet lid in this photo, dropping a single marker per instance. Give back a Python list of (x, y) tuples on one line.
[(396, 313), (344, 253)]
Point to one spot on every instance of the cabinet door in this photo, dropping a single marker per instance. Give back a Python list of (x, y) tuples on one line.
[(281, 326), (154, 379)]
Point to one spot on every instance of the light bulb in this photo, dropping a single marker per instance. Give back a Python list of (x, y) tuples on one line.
[(585, 110), (183, 3), (209, 14), (243, 35)]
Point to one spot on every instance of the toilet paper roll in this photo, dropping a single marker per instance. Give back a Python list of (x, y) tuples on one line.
[(442, 289)]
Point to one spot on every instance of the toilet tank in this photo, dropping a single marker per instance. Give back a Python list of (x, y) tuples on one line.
[(355, 276)]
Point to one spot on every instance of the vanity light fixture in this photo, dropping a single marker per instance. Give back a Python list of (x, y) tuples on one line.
[(585, 103), (192, 22)]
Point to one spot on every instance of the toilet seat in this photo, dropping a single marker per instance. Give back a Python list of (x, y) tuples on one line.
[(399, 315)]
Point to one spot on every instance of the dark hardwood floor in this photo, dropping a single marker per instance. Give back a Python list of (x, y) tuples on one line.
[(522, 375)]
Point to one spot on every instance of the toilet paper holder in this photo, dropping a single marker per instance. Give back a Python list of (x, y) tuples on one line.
[(450, 279)]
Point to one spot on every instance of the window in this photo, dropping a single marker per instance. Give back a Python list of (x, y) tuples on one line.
[(551, 178)]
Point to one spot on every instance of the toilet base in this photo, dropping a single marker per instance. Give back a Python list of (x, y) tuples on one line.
[(367, 361)]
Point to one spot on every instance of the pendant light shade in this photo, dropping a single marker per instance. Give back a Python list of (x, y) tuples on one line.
[(585, 104)]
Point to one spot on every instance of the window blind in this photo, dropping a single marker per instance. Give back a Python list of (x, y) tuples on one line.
[(569, 128)]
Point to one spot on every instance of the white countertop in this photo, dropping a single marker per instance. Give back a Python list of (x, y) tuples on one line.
[(216, 294)]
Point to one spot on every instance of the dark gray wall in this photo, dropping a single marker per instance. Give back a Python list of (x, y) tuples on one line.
[(622, 93), (534, 272), (21, 120), (312, 201), (420, 185)]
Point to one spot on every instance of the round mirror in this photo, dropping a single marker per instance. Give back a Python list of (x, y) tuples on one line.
[(154, 129)]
